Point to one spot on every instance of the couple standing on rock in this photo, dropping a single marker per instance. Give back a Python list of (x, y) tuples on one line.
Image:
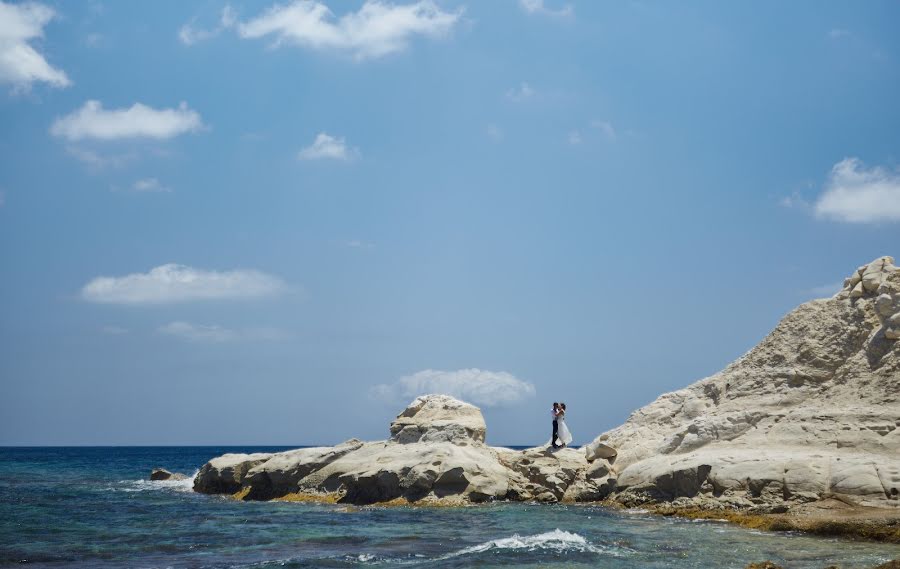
[(560, 429)]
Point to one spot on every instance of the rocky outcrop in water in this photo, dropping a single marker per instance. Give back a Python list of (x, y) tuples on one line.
[(158, 474), (813, 411), (436, 454)]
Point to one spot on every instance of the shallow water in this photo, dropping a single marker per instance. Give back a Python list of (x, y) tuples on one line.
[(92, 507)]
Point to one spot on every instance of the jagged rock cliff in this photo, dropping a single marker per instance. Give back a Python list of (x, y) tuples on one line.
[(810, 412)]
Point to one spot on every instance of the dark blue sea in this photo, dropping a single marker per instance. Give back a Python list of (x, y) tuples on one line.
[(94, 507)]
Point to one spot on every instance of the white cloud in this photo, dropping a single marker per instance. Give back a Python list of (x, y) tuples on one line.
[(189, 35), (149, 185), (92, 121), (482, 387), (113, 330), (178, 283), (494, 132), (218, 334), (376, 30), (357, 244), (521, 93), (838, 33), (856, 194), (327, 146), (93, 39), (574, 138), (97, 160), (20, 64), (537, 7), (198, 333), (606, 128)]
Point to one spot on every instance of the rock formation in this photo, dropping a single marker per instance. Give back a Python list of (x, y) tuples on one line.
[(436, 454), (810, 412), (163, 474)]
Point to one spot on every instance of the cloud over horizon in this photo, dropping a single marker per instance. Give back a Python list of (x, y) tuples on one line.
[(857, 194), (326, 146), (215, 334), (376, 30), (21, 64), (482, 387), (92, 121), (172, 283)]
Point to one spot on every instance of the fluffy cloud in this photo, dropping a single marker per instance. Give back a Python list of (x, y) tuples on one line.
[(217, 334), (482, 387), (189, 35), (376, 30), (178, 283), (327, 146), (20, 64), (856, 194), (92, 121), (537, 7), (149, 185)]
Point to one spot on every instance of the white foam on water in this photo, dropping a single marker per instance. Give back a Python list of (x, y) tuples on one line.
[(186, 485), (557, 540)]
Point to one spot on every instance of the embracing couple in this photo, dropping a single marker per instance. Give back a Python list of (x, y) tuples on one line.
[(560, 429)]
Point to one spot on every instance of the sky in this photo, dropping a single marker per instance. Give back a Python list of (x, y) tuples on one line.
[(257, 223)]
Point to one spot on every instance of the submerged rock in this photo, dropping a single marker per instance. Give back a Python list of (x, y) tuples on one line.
[(163, 474)]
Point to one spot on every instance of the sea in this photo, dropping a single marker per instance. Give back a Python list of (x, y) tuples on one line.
[(95, 507)]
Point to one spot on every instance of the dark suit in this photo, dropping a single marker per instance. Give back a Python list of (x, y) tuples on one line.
[(555, 433)]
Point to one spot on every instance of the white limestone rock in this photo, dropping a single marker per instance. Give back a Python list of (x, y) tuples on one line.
[(439, 418), (813, 410), (226, 474)]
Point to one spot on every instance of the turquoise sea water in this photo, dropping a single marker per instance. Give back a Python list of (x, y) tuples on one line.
[(93, 507)]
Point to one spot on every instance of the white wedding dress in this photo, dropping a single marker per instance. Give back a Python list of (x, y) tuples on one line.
[(563, 430)]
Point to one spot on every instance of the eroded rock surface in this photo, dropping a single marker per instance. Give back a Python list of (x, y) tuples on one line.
[(439, 418), (436, 453), (810, 412)]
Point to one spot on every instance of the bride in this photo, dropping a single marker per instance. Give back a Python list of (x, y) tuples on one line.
[(564, 435)]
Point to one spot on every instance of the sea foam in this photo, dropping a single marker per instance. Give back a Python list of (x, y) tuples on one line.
[(557, 540), (186, 485)]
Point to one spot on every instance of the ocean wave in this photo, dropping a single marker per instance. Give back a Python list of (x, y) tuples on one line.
[(558, 541)]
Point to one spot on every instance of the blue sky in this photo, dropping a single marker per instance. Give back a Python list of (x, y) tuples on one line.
[(258, 223)]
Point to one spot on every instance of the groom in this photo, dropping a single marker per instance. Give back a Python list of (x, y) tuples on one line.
[(555, 414)]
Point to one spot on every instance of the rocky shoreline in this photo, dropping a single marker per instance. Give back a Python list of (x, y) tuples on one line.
[(801, 433)]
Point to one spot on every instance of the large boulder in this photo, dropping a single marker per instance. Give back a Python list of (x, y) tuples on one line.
[(812, 411), (439, 418)]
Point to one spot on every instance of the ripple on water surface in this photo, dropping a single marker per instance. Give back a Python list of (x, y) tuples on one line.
[(95, 508)]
